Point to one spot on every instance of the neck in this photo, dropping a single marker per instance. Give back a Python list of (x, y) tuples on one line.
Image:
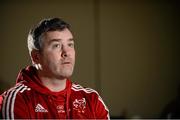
[(53, 84)]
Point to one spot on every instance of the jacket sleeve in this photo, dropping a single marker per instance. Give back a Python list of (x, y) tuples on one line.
[(101, 109), (13, 106), (1, 100)]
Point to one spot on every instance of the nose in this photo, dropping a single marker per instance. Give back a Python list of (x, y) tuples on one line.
[(64, 53)]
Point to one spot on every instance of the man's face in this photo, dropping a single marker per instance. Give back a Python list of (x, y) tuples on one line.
[(57, 57)]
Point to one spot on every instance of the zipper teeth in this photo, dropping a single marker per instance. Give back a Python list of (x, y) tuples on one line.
[(67, 103), (55, 105), (68, 84)]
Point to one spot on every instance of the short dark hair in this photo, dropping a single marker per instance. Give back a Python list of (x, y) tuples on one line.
[(45, 25)]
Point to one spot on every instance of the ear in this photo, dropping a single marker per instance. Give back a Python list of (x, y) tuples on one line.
[(35, 56)]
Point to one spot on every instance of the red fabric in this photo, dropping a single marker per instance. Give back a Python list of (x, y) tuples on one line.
[(1, 100), (30, 99)]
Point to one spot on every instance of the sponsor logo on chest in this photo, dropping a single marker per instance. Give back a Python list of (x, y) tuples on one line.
[(40, 108), (60, 109)]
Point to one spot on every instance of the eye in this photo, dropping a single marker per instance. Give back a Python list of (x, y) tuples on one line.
[(71, 45), (56, 46)]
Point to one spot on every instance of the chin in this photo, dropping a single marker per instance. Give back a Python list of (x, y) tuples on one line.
[(67, 74)]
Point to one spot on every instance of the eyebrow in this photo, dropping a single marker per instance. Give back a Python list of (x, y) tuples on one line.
[(58, 40)]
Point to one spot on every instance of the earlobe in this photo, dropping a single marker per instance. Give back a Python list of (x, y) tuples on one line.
[(35, 56)]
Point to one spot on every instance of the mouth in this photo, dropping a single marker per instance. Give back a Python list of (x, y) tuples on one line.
[(66, 63)]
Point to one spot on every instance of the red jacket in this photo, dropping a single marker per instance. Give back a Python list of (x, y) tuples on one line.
[(30, 99)]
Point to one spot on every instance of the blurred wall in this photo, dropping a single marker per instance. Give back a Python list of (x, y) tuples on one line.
[(126, 50), (139, 53)]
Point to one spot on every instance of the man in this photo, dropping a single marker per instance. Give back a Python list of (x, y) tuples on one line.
[(44, 89)]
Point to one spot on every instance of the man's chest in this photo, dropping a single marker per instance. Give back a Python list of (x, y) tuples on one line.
[(77, 107)]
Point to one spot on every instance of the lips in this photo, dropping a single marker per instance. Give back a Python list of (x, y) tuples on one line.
[(66, 63)]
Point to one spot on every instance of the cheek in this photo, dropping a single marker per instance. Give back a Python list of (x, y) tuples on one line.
[(73, 54), (50, 57)]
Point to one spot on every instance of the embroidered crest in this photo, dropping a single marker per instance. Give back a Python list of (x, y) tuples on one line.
[(79, 105)]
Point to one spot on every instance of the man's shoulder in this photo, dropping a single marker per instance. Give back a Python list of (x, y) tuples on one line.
[(13, 91), (86, 90)]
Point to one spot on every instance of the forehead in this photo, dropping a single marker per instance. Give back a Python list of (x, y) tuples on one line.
[(63, 35)]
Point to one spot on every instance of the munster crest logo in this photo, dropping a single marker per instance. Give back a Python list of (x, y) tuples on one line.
[(79, 105)]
